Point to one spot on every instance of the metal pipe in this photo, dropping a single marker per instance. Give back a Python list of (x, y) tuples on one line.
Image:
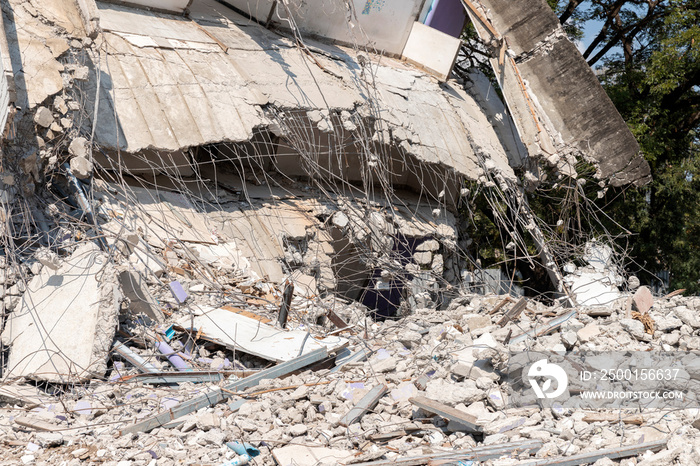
[(134, 359), (172, 355)]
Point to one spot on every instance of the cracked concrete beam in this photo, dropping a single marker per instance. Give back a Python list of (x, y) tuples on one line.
[(558, 105), (90, 16)]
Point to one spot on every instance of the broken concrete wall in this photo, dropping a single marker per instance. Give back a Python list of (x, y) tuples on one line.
[(63, 328), (558, 104), (241, 80), (382, 26)]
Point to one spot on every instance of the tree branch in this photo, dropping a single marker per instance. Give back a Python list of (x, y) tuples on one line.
[(570, 8), (627, 33)]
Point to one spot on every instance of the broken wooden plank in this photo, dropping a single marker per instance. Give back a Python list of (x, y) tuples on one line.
[(367, 402), (286, 305), (337, 321), (506, 340), (600, 311), (513, 312), (448, 412), (614, 417), (477, 453), (218, 395), (674, 293), (243, 312), (385, 436), (592, 457), (498, 306)]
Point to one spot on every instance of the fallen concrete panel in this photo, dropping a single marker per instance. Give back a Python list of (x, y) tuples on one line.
[(33, 48), (64, 326), (176, 6), (24, 395), (431, 50), (255, 337)]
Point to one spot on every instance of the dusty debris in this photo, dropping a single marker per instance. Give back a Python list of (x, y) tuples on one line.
[(219, 249)]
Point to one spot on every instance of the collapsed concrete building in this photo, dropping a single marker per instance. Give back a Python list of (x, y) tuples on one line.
[(193, 165)]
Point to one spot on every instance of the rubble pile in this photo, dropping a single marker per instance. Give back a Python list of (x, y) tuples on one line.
[(224, 242), (417, 390)]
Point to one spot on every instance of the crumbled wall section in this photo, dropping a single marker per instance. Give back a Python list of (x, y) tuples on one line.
[(574, 115), (35, 46), (72, 311)]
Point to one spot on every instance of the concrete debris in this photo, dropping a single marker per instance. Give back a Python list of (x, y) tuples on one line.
[(220, 250), (135, 289), (72, 312), (79, 147), (43, 117), (81, 167), (313, 406), (643, 300)]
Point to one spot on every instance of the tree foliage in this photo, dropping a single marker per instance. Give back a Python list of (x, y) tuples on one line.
[(654, 81), (647, 56)]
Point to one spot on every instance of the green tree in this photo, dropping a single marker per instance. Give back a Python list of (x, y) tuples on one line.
[(654, 83)]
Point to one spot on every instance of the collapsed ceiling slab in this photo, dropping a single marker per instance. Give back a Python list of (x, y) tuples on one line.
[(180, 83)]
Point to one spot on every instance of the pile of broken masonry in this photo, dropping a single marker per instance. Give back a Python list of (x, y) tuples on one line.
[(422, 390)]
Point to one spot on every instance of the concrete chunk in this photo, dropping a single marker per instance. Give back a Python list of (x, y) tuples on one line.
[(687, 316), (81, 167), (43, 117), (64, 325), (141, 302), (643, 300), (79, 147), (588, 332), (634, 328)]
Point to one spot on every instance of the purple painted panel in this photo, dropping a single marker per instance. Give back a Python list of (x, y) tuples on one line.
[(447, 16)]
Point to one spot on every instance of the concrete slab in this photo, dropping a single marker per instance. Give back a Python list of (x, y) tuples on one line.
[(63, 328), (255, 337), (432, 50), (141, 302)]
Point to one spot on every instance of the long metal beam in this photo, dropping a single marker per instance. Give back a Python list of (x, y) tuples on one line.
[(220, 394), (592, 457)]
